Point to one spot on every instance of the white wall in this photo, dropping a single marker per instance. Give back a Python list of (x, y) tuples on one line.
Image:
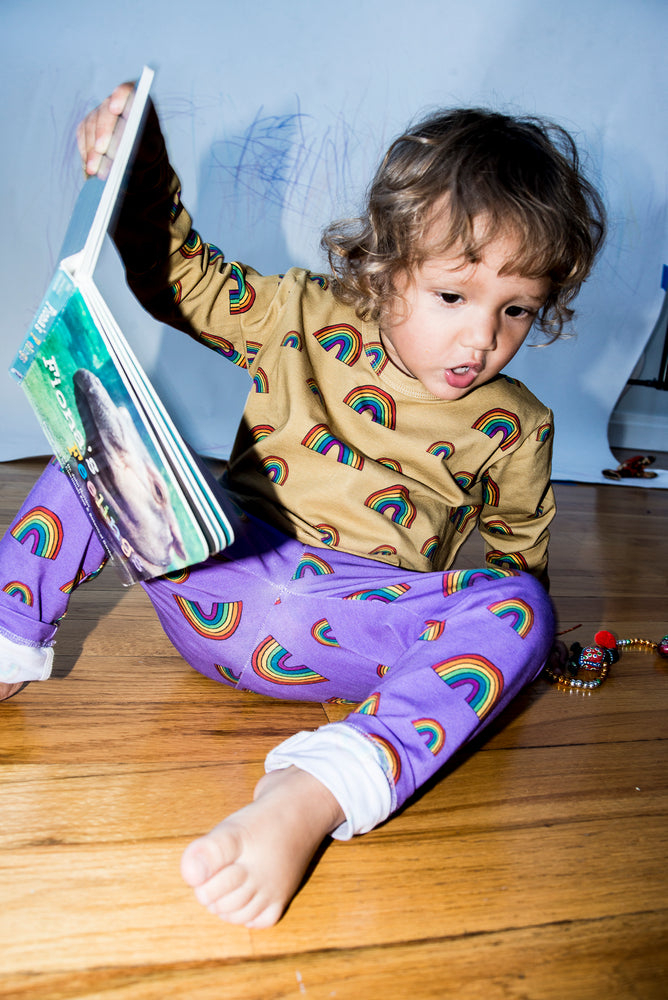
[(276, 114)]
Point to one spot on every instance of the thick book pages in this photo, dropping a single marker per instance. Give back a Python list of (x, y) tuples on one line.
[(151, 501)]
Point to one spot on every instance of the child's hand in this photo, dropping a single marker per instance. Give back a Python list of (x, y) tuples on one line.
[(96, 131)]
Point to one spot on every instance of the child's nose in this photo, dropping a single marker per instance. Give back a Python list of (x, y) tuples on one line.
[(480, 334)]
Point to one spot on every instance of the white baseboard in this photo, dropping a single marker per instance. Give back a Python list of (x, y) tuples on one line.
[(639, 432)]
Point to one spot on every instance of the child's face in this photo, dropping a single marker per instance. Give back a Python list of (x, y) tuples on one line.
[(455, 325)]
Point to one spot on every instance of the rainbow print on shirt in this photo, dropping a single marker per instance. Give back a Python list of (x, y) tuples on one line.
[(41, 530), (512, 559), (383, 550), (224, 347), (261, 381), (275, 469), (395, 501), (192, 246), (518, 613), (219, 623), (261, 431), (375, 352), (429, 548), (491, 494), (321, 440), (329, 534), (462, 516), (499, 421), (374, 401), (442, 449), (269, 661), (483, 680), (343, 340), (243, 297), (293, 339)]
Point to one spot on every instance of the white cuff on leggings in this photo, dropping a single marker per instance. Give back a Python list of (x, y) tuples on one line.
[(346, 763), (19, 662)]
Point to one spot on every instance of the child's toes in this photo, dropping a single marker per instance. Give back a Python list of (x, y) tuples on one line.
[(205, 857)]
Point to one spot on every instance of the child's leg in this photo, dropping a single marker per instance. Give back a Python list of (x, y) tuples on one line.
[(430, 657), (49, 549)]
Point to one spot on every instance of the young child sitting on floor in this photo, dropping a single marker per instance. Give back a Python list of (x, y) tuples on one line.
[(378, 432)]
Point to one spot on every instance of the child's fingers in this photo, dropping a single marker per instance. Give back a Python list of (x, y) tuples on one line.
[(95, 132)]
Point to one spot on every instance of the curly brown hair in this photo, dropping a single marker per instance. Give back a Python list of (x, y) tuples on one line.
[(519, 175)]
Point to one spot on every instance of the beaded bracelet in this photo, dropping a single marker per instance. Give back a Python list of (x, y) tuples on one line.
[(598, 659)]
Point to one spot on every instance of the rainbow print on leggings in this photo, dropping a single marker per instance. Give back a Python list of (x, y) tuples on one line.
[(21, 590), (518, 613), (370, 705), (244, 296), (41, 530), (343, 340), (432, 733), (499, 421), (220, 623), (482, 678), (312, 563), (395, 501), (227, 674), (432, 630), (269, 663), (322, 633), (374, 401), (384, 594), (458, 579), (390, 755)]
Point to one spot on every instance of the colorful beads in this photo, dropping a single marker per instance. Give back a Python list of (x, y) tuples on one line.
[(597, 658)]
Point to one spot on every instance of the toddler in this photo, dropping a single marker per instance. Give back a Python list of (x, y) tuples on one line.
[(379, 431)]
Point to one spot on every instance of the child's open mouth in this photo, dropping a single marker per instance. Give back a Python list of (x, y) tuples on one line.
[(461, 377)]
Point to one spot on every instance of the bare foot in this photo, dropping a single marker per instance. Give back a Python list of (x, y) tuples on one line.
[(250, 866), (7, 690)]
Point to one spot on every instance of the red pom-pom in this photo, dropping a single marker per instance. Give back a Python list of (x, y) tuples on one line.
[(605, 639)]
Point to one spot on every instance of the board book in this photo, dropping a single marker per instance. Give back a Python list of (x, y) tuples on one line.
[(151, 500)]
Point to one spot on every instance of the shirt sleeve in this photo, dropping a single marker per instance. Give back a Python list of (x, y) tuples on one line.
[(519, 505), (178, 277)]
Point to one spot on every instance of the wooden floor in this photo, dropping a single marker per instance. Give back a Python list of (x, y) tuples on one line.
[(535, 867)]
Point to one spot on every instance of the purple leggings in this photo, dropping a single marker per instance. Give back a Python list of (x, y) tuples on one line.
[(424, 659)]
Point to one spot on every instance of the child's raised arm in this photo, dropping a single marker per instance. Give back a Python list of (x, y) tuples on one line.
[(95, 132)]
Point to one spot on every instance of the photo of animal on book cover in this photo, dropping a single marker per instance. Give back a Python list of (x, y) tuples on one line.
[(86, 411)]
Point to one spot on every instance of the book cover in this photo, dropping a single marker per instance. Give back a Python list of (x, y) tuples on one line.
[(147, 496)]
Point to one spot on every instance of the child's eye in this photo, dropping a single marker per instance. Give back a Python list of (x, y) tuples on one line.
[(517, 311), (450, 298)]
